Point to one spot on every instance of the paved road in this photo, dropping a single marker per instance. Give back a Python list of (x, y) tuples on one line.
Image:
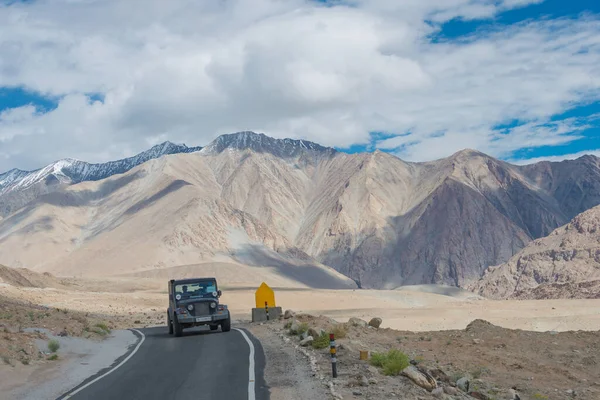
[(199, 365)]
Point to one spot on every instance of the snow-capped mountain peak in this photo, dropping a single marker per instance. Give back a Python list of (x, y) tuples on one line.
[(70, 170), (261, 143)]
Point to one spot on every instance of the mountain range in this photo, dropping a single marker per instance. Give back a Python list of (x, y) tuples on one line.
[(25, 186), (379, 220), (564, 264)]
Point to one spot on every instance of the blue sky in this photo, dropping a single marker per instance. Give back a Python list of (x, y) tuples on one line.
[(550, 9), (418, 80)]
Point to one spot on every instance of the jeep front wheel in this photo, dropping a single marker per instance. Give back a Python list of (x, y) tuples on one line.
[(226, 325), (177, 327)]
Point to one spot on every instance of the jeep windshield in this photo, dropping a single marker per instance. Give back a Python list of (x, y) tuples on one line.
[(195, 290)]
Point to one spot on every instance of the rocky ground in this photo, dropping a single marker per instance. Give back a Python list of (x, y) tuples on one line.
[(483, 361), (21, 323)]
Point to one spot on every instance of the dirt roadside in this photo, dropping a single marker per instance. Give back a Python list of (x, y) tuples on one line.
[(498, 363), (288, 372)]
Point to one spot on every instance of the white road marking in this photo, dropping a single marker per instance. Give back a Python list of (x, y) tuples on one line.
[(251, 392), (112, 370)]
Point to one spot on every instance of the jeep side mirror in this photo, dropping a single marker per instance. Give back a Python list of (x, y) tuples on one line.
[(219, 293)]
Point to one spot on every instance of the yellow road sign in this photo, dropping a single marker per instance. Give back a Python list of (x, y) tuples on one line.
[(264, 294)]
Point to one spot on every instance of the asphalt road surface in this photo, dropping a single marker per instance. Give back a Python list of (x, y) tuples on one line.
[(199, 365)]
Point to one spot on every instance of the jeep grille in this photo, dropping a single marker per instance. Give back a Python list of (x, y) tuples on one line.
[(202, 308)]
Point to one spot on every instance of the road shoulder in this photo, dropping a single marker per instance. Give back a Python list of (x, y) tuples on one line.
[(288, 372)]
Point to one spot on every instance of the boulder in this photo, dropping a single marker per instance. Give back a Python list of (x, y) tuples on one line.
[(307, 341), (375, 322), (463, 384), (363, 381), (357, 322), (294, 327), (450, 390), (438, 393), (313, 332), (513, 395), (419, 377), (289, 314)]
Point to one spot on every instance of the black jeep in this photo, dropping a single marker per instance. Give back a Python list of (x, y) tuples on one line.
[(195, 302)]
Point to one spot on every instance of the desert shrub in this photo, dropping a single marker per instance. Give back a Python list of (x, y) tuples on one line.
[(321, 342), (391, 363), (53, 345), (102, 326), (339, 331), (301, 328), (288, 325), (539, 396), (377, 359), (52, 357), (98, 331)]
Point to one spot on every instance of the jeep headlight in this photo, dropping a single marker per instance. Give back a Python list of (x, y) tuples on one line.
[(214, 294), (213, 305), (190, 307)]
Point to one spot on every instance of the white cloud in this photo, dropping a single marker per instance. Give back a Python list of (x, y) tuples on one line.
[(572, 156), (188, 71)]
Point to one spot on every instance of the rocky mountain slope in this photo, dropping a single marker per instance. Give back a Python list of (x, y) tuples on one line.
[(18, 187), (565, 264), (371, 216)]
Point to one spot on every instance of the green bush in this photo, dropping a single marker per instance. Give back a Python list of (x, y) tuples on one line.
[(392, 362), (53, 345), (321, 341), (52, 357), (300, 329), (103, 326), (98, 331), (303, 327)]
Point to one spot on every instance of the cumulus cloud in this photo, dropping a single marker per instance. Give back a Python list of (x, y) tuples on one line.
[(188, 71)]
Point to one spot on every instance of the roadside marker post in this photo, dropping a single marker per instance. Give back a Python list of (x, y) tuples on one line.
[(265, 309), (333, 354)]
